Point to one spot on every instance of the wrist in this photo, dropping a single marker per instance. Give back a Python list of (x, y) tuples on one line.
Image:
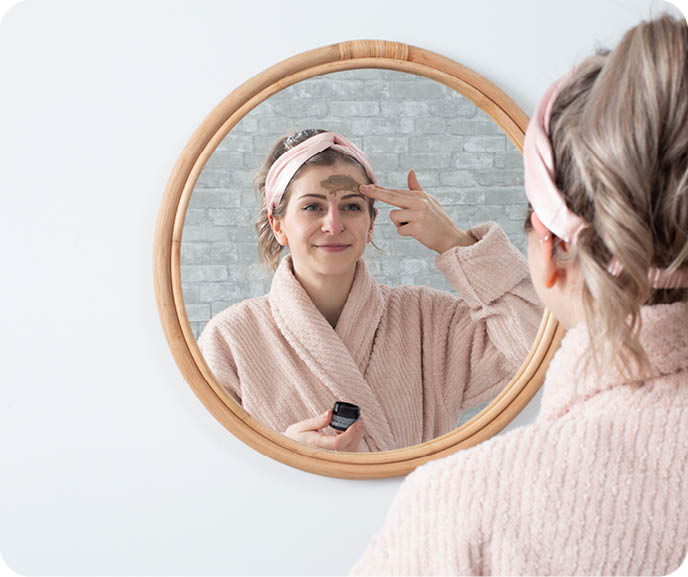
[(461, 238)]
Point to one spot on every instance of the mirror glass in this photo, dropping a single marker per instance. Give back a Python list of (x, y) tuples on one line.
[(402, 122)]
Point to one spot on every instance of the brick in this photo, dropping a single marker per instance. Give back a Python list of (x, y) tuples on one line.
[(248, 124), (424, 160), (452, 196), (505, 195), (493, 177), (198, 312), (383, 161), (437, 143), (219, 306), (474, 159), (399, 179), (385, 144), (508, 160), (452, 108), (254, 162), (473, 127), (214, 198), (196, 216), (224, 253), (353, 109), (265, 108), (431, 126), (244, 232), (300, 108), (225, 160), (195, 253), (213, 178), (343, 89), (407, 125), (203, 273), (413, 266), (277, 126), (332, 124), (190, 293), (485, 144), (517, 211), (220, 291), (204, 233), (230, 217), (458, 178), (236, 142), (372, 125), (404, 109)]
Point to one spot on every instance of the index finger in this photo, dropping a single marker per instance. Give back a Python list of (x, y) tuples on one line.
[(393, 196)]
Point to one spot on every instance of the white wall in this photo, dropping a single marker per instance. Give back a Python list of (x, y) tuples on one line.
[(110, 465)]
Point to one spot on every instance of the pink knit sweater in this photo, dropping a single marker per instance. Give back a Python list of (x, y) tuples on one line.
[(597, 486), (410, 357)]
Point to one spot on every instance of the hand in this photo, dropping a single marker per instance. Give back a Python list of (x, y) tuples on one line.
[(421, 216), (308, 432)]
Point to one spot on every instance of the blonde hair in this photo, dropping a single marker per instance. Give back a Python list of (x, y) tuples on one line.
[(619, 131), (268, 248)]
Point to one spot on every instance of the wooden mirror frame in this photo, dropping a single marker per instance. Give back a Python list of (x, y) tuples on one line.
[(168, 238)]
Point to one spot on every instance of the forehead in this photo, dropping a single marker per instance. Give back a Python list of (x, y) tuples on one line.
[(315, 176)]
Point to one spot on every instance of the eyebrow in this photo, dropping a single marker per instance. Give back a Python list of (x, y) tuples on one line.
[(322, 196)]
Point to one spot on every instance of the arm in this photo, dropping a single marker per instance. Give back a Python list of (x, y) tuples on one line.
[(501, 315), (215, 346)]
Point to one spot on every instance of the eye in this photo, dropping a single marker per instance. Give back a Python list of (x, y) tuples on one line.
[(313, 206), (353, 206)]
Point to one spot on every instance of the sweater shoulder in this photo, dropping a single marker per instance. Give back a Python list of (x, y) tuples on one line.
[(237, 315)]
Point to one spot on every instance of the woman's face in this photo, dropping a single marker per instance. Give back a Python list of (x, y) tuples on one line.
[(327, 223)]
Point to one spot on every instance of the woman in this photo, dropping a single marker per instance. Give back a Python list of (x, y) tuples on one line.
[(599, 483), (410, 357)]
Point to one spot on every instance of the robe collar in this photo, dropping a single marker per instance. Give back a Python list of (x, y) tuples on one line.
[(337, 356), (663, 335)]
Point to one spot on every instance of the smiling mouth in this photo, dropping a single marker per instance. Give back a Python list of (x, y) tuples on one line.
[(333, 247)]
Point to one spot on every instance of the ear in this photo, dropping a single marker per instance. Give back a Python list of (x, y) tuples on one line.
[(550, 271), (278, 231)]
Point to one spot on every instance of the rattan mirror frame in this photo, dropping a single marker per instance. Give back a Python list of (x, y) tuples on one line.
[(168, 237)]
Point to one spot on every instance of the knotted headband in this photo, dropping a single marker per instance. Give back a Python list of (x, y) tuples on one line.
[(548, 201), (285, 167)]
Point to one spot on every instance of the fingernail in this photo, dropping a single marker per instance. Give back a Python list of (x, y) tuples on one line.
[(363, 187)]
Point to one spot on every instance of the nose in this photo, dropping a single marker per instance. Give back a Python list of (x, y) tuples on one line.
[(332, 222)]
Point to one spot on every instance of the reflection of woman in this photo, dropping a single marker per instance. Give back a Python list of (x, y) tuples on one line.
[(599, 484), (410, 357)]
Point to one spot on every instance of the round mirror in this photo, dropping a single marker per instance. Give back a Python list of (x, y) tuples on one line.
[(406, 109)]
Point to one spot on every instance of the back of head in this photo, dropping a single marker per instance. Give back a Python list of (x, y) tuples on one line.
[(619, 132)]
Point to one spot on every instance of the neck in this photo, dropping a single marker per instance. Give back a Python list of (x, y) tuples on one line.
[(328, 292)]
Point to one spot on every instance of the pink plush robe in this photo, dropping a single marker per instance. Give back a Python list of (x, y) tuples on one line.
[(411, 357), (597, 486)]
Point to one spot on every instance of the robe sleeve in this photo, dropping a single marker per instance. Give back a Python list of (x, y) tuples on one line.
[(481, 339), (215, 346)]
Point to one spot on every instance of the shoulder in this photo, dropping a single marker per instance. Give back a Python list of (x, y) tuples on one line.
[(499, 466), (237, 316)]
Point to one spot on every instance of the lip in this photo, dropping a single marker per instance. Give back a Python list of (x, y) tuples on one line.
[(332, 247)]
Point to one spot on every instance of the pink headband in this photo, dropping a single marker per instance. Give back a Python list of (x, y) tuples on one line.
[(538, 159), (285, 167), (548, 202)]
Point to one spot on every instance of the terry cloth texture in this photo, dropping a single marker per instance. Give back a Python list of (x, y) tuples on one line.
[(598, 485), (411, 357)]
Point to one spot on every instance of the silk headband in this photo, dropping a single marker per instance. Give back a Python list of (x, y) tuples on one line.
[(285, 167), (547, 200)]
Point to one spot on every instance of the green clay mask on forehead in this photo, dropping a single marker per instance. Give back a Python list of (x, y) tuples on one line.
[(340, 182)]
